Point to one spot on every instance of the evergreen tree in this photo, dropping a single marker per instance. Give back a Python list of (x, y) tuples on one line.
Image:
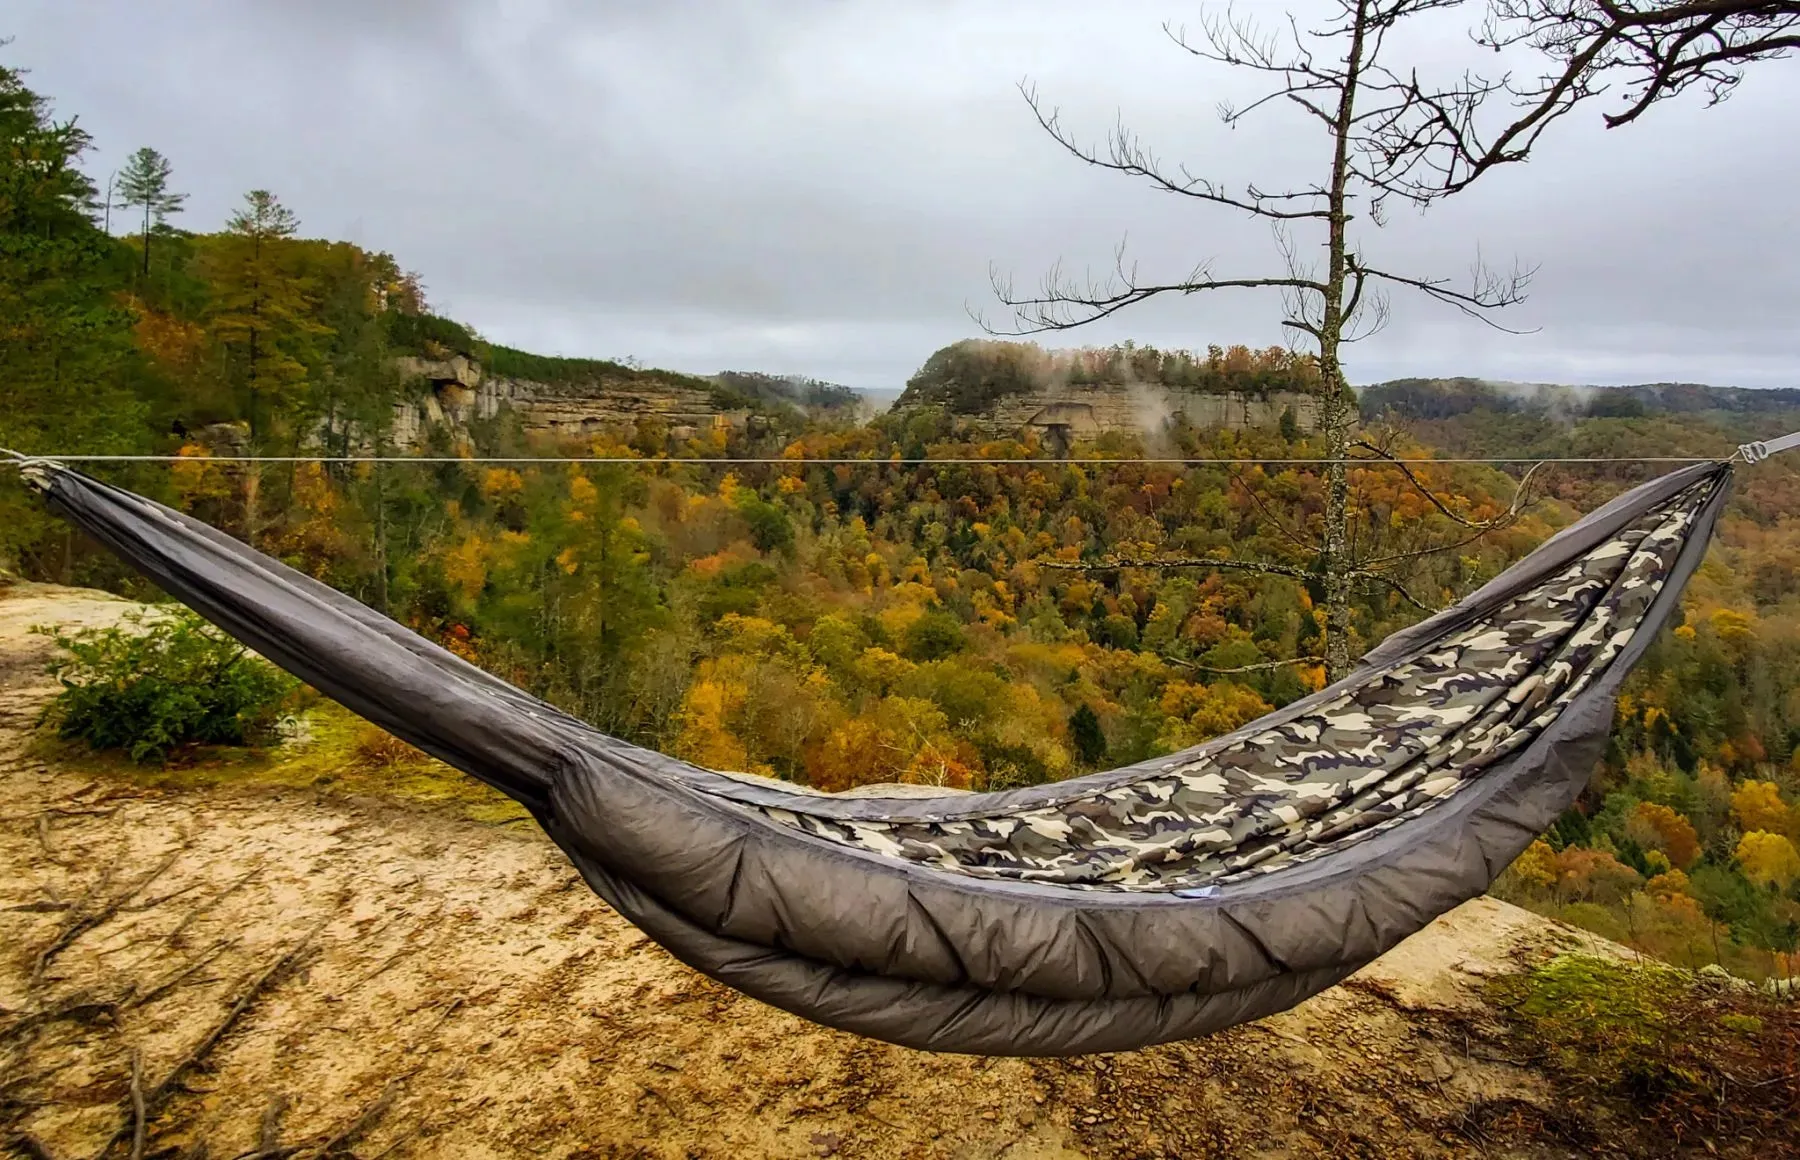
[(1086, 735), (264, 311), (65, 346), (144, 183)]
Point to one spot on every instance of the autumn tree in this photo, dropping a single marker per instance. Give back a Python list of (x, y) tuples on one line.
[(1769, 860), (144, 184), (1757, 805)]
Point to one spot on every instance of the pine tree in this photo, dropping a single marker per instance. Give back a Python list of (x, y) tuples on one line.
[(144, 183), (264, 312), (1086, 735)]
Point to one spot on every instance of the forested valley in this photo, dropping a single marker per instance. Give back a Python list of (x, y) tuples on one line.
[(971, 625)]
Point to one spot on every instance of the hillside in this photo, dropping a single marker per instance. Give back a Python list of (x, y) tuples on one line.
[(1010, 387), (377, 959)]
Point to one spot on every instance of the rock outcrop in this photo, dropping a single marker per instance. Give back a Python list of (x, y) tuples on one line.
[(456, 391), (1090, 409)]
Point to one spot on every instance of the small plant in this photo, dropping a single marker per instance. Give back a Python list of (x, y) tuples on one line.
[(160, 680), (376, 748)]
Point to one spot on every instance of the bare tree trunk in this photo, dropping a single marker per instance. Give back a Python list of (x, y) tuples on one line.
[(1335, 558)]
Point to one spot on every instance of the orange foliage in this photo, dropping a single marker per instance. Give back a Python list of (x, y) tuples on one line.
[(1657, 827)]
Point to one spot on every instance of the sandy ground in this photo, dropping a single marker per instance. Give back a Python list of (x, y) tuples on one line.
[(279, 972)]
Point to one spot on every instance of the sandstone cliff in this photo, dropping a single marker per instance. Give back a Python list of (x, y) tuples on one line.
[(456, 390), (1093, 408), (1082, 393)]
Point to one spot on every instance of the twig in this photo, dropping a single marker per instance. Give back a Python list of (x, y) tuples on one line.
[(138, 1125), (79, 1010), (270, 1137), (1256, 668), (82, 923), (152, 904), (153, 1100), (175, 980), (339, 1144), (188, 919), (31, 1146)]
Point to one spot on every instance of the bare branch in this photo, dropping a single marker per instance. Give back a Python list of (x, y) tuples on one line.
[(1397, 587), (1522, 497), (1064, 304), (1488, 290), (1263, 666), (1281, 525), (1125, 153), (1114, 564)]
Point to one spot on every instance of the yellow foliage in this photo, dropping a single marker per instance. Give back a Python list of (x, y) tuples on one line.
[(753, 634), (1757, 805), (566, 560), (582, 492), (880, 669), (197, 478), (790, 485), (705, 738), (1535, 869), (501, 483), (1733, 626), (1204, 711), (465, 566), (1768, 859)]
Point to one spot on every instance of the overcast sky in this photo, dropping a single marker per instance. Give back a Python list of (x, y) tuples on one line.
[(819, 186)]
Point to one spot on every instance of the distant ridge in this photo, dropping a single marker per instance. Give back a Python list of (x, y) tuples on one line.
[(1429, 398)]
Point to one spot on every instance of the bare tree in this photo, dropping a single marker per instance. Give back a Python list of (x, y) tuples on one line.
[(1389, 135), (1382, 138)]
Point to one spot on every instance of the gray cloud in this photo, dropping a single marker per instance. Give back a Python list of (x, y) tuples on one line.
[(819, 186)]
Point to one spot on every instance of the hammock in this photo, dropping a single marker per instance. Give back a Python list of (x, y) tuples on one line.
[(1161, 901)]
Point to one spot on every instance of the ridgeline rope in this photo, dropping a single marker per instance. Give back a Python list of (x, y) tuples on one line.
[(897, 461)]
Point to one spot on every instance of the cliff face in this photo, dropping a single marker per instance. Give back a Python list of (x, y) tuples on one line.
[(1090, 409), (456, 390)]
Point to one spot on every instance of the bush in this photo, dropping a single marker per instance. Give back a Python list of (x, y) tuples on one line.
[(162, 680), (933, 637)]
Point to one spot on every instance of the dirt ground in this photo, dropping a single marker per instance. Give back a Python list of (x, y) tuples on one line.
[(269, 969)]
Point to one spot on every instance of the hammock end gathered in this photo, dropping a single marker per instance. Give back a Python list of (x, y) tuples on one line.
[(37, 473), (1759, 451)]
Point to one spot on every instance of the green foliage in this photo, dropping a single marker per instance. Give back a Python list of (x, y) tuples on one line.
[(66, 357), (933, 636), (770, 528), (420, 333), (1086, 735), (160, 681)]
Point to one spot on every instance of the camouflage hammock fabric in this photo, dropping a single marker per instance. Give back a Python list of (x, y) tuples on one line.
[(1161, 901), (1397, 743)]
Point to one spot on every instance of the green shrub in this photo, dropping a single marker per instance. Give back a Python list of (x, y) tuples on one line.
[(161, 680)]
